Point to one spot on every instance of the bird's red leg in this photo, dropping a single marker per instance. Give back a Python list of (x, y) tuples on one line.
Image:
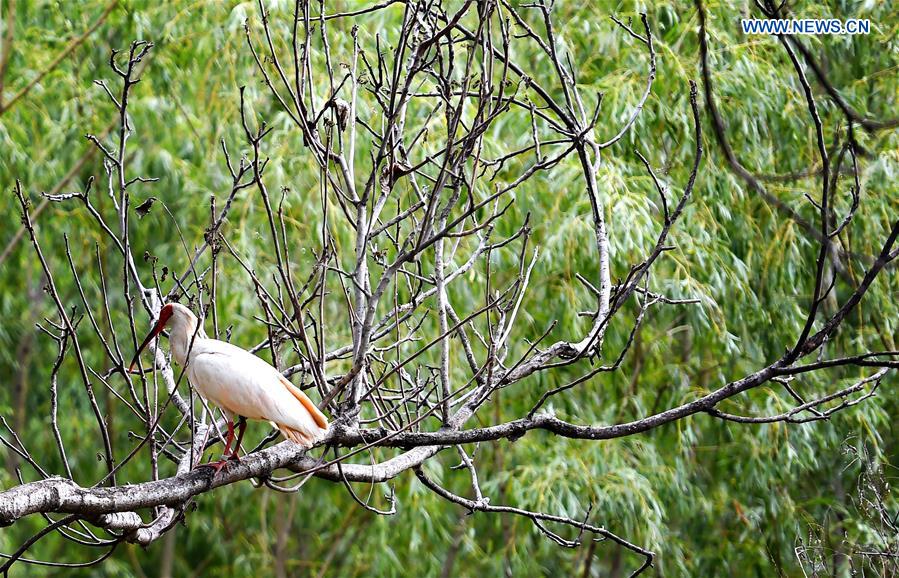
[(241, 426), (228, 440), (226, 455)]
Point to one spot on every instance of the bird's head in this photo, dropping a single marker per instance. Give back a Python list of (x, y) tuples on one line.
[(172, 314)]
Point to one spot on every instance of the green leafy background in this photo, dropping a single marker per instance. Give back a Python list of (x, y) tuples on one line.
[(711, 498)]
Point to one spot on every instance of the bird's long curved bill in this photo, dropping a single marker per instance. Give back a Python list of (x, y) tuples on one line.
[(150, 337)]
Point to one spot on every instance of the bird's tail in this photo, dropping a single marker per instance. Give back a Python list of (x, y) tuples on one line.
[(319, 426), (304, 439), (317, 416)]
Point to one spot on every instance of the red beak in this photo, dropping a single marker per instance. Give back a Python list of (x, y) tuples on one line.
[(164, 316)]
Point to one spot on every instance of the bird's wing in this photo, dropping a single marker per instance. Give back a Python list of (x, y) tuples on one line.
[(247, 385), (317, 415)]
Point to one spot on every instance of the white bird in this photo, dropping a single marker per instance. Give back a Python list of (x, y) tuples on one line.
[(237, 381)]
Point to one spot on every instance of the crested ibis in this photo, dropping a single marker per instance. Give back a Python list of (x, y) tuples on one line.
[(236, 381)]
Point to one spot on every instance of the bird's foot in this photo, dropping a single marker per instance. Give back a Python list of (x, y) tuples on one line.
[(234, 458), (215, 466)]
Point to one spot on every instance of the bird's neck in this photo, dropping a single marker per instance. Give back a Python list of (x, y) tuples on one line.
[(184, 339)]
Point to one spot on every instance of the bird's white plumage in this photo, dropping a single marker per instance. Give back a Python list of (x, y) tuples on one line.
[(237, 381), (241, 383)]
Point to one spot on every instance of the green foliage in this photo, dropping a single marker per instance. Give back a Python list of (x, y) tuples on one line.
[(711, 498)]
